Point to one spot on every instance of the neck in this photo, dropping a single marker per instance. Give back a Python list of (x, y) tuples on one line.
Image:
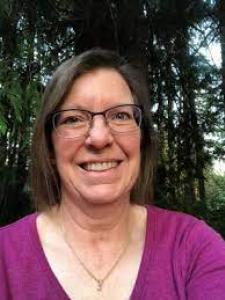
[(96, 223)]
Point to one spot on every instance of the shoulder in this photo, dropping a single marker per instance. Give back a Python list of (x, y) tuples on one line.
[(181, 228), (18, 225), (195, 251), (167, 220), (17, 233), (170, 215)]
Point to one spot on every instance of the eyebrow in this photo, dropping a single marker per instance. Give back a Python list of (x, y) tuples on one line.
[(81, 107)]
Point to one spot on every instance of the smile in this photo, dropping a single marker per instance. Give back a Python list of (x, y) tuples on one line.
[(100, 166)]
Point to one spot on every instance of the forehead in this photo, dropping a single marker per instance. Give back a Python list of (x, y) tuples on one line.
[(101, 88)]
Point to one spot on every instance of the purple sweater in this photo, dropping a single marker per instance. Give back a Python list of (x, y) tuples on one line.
[(183, 258)]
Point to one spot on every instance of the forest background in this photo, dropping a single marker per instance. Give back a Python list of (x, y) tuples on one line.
[(169, 39)]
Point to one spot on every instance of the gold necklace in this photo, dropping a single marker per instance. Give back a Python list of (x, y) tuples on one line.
[(100, 281)]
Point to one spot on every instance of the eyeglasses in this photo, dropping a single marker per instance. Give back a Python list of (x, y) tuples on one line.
[(74, 123)]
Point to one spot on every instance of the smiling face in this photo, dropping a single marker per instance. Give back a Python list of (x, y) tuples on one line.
[(102, 166)]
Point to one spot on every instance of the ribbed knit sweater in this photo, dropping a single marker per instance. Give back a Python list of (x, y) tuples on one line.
[(183, 258)]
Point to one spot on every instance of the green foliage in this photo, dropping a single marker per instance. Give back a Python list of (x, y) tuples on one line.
[(215, 197), (3, 122), (186, 88), (212, 210), (215, 190)]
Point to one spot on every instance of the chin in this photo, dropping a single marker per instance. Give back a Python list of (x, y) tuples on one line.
[(102, 196)]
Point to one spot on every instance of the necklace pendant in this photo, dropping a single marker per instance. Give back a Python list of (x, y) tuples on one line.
[(100, 284)]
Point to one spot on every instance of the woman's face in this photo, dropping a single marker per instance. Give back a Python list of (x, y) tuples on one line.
[(102, 166)]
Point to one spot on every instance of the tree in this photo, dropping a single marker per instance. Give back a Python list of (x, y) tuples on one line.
[(163, 37)]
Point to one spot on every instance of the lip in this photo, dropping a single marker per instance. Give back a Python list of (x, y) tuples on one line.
[(107, 176), (88, 165), (98, 167)]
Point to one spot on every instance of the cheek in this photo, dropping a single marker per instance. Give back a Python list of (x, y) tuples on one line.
[(132, 142), (131, 145), (64, 149)]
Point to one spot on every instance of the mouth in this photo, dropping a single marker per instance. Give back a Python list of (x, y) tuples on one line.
[(99, 166)]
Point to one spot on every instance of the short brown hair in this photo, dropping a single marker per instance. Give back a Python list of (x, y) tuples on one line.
[(44, 176)]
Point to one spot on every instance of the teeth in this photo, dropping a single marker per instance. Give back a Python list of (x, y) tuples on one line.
[(100, 166)]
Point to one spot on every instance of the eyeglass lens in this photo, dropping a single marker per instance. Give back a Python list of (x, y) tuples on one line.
[(74, 123)]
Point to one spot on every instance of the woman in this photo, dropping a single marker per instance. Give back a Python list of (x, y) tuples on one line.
[(92, 169)]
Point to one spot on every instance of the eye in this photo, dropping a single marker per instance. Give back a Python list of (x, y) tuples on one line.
[(121, 116), (71, 120)]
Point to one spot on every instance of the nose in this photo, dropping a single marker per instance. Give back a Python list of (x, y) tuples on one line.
[(99, 135)]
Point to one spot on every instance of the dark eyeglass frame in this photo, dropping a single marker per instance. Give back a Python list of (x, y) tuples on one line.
[(93, 114)]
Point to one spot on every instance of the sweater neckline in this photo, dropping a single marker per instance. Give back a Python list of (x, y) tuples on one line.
[(147, 256), (38, 250), (141, 280)]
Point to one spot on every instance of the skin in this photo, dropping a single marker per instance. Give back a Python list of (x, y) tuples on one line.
[(95, 213), (93, 191)]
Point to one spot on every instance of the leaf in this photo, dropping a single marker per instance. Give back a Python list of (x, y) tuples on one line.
[(6, 7), (15, 97), (3, 125)]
